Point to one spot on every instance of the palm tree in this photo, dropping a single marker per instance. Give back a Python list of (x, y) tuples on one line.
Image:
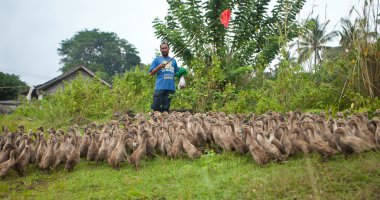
[(314, 40), (348, 33)]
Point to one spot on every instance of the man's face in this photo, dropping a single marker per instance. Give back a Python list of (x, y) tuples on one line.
[(164, 50)]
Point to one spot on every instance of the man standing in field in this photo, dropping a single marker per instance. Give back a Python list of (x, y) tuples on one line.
[(165, 67)]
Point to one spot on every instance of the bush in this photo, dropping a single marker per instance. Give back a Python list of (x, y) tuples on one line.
[(133, 91), (79, 100)]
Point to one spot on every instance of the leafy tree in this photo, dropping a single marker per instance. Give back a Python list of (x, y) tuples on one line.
[(99, 51), (10, 86), (314, 40), (251, 40)]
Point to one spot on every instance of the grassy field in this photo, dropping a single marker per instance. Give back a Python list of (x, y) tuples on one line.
[(214, 176)]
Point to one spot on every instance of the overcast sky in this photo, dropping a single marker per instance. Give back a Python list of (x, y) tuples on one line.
[(31, 30)]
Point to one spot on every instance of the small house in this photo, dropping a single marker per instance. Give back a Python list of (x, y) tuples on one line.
[(49, 87)]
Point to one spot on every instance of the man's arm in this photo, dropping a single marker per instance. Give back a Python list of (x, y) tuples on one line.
[(155, 70)]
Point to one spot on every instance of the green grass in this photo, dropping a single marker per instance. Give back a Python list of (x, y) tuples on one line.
[(214, 176), (13, 121)]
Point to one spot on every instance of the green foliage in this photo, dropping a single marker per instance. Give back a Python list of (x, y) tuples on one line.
[(99, 51), (81, 101), (10, 86), (203, 87), (133, 91), (289, 88)]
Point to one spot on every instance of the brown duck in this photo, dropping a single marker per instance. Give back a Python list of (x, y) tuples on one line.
[(166, 143), (23, 160), (74, 157), (48, 159), (287, 145), (271, 150), (93, 149), (177, 146), (376, 120), (119, 154), (86, 142), (350, 144), (4, 167), (299, 142), (103, 150), (189, 148), (139, 153), (257, 151), (317, 143), (63, 151)]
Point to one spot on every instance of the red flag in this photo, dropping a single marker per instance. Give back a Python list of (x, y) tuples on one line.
[(225, 17)]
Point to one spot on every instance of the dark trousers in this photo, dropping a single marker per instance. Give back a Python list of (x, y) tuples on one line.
[(161, 100)]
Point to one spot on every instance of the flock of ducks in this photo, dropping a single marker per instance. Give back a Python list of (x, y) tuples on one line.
[(268, 137)]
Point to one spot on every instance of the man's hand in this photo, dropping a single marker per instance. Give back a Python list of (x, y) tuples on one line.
[(155, 70)]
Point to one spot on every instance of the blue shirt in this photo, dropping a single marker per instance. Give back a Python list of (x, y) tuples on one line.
[(165, 76)]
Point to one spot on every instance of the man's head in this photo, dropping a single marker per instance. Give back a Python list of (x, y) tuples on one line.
[(164, 48)]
